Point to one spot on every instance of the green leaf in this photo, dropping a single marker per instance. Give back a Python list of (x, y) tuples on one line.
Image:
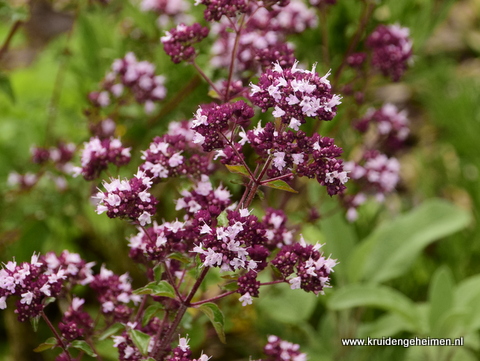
[(279, 184), (150, 312), (283, 304), (83, 346), (239, 169), (370, 295), (222, 219), (392, 248), (467, 298), (440, 296), (180, 257), (216, 317), (6, 87), (47, 345), (141, 340), (162, 288), (231, 286), (34, 323), (112, 330), (385, 326)]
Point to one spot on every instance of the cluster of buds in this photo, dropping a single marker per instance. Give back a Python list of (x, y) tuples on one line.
[(60, 156), (136, 76), (43, 277), (76, 323), (391, 127), (128, 199), (391, 50), (218, 8), (295, 94), (98, 154), (178, 42)]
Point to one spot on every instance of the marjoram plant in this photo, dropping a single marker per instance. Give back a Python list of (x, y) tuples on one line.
[(255, 71)]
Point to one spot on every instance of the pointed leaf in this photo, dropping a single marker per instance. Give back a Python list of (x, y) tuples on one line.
[(280, 184), (6, 87), (180, 257), (82, 345), (112, 330), (141, 340), (222, 219), (34, 323), (440, 296), (239, 169), (370, 295), (47, 345), (150, 312), (392, 248), (162, 288), (216, 317)]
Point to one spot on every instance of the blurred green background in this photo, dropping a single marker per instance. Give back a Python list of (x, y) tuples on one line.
[(407, 268)]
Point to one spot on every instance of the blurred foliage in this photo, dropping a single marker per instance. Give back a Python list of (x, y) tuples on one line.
[(407, 268)]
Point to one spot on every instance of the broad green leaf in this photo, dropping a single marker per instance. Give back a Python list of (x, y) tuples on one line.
[(280, 184), (112, 330), (467, 298), (6, 87), (150, 312), (162, 288), (385, 326), (452, 324), (392, 248), (370, 295), (239, 169), (440, 296), (283, 304), (82, 345), (141, 340), (216, 317), (47, 345)]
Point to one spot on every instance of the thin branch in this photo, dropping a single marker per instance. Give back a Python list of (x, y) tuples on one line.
[(6, 44)]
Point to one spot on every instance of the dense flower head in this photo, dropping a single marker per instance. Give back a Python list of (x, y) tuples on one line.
[(174, 154), (295, 94), (136, 76), (228, 246), (43, 277), (97, 154), (114, 294), (276, 232), (178, 42), (75, 322), (303, 266), (296, 153), (212, 121), (356, 60), (279, 350), (128, 199), (217, 8), (60, 156), (391, 50), (391, 126), (127, 350)]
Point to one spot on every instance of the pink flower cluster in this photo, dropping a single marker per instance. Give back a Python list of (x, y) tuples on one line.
[(279, 350), (296, 153), (97, 154), (175, 154), (128, 199), (178, 42), (391, 50), (43, 277), (391, 126), (295, 94), (136, 76)]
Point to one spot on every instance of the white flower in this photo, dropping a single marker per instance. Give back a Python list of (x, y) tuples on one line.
[(246, 299)]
